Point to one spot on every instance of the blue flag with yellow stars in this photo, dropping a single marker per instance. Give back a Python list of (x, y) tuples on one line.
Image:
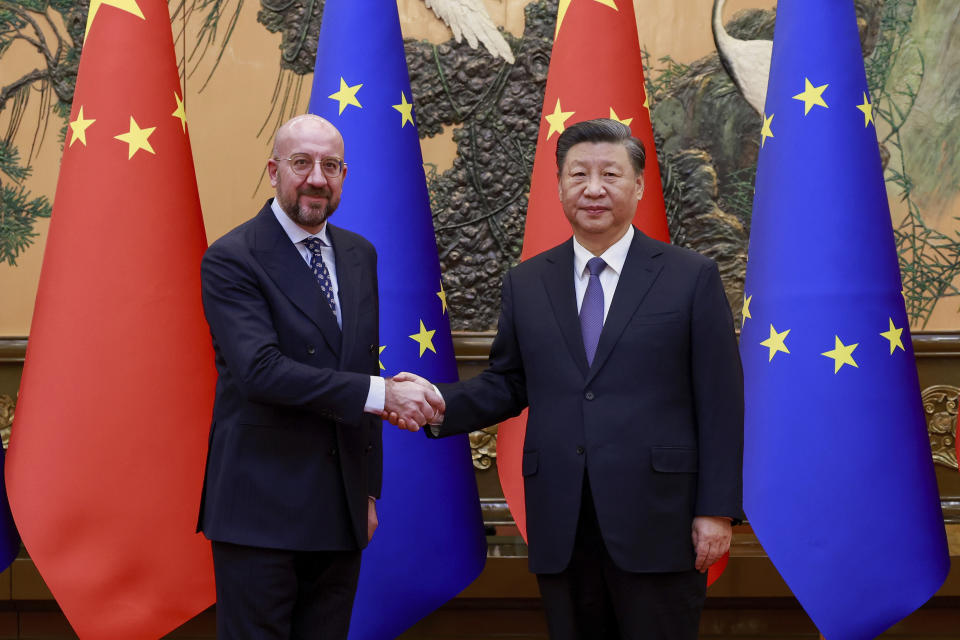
[(430, 543), (838, 478)]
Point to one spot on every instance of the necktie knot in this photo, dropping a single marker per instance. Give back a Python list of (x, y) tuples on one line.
[(596, 265), (314, 245)]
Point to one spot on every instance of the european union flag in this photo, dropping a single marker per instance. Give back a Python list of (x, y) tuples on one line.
[(9, 537), (838, 477), (430, 543)]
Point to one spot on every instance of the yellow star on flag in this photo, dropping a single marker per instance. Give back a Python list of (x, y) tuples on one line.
[(424, 339), (811, 96), (646, 101), (745, 313), (347, 95), (765, 130), (894, 336), (180, 112), (379, 361), (565, 4), (841, 354), (137, 138), (614, 116), (443, 297), (557, 120), (867, 109), (130, 6), (406, 110), (776, 342), (79, 128)]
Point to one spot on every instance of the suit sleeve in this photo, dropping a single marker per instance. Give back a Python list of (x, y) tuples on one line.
[(246, 340), (499, 392), (718, 399)]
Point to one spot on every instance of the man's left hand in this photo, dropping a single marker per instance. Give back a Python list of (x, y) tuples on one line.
[(372, 521), (711, 539)]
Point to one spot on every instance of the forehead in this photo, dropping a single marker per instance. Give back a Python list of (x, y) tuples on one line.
[(597, 153), (310, 136)]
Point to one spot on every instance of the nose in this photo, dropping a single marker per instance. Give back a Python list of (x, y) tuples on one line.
[(594, 186), (316, 177)]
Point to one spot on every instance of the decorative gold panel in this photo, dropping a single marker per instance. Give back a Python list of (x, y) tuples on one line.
[(483, 447), (6, 418), (940, 407)]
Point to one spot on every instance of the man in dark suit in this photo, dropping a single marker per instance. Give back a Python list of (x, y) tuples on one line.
[(624, 350), (294, 466)]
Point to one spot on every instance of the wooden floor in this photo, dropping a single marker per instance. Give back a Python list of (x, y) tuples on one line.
[(522, 619)]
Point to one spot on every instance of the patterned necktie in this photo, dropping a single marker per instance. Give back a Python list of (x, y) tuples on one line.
[(320, 270), (591, 310)]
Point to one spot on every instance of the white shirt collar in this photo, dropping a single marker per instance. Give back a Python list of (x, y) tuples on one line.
[(294, 231), (614, 256)]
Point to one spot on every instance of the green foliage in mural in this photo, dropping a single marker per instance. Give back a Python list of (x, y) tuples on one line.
[(19, 210), (929, 259), (51, 81)]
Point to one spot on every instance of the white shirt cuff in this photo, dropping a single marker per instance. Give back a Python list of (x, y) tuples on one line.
[(376, 396)]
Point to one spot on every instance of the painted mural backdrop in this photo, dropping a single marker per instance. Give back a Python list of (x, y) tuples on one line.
[(478, 92)]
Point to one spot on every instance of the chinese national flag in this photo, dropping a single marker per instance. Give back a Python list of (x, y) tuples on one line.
[(107, 453), (596, 71)]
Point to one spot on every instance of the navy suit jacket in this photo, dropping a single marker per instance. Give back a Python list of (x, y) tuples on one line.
[(656, 421), (292, 456)]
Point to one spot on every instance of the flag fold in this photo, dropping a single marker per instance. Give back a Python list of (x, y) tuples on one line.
[(109, 441), (430, 543), (838, 478)]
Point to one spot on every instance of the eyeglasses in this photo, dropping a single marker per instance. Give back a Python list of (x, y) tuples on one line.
[(302, 164)]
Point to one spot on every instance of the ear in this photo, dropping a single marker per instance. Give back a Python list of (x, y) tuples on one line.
[(343, 175), (272, 168), (559, 188), (639, 186)]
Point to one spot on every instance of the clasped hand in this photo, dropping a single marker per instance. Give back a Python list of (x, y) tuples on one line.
[(411, 402)]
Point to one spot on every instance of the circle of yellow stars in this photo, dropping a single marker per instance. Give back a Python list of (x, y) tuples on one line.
[(813, 96), (423, 337), (841, 353)]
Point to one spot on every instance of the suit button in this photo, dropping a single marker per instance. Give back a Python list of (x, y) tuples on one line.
[(333, 451), (589, 395), (311, 349), (580, 451)]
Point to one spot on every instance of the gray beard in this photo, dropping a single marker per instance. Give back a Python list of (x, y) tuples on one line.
[(309, 217)]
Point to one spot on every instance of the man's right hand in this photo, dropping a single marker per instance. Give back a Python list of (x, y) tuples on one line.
[(413, 404)]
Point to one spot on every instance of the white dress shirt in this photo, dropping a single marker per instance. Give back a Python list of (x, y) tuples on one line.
[(377, 393), (614, 256)]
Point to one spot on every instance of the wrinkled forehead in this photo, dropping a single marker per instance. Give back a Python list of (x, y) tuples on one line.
[(597, 154)]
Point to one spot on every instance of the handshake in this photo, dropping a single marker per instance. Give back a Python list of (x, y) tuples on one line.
[(411, 402)]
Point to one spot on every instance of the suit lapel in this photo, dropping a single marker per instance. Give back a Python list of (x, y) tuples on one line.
[(558, 280), (640, 270), (290, 273), (348, 280)]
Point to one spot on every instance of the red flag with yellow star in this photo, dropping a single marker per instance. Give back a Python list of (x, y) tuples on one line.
[(596, 71), (107, 452)]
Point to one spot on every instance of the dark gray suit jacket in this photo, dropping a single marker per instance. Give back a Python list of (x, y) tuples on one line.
[(293, 456), (656, 421)]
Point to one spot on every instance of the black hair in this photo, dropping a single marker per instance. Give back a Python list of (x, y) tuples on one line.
[(602, 130)]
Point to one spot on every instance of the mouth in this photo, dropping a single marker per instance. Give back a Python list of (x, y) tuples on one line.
[(315, 197)]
